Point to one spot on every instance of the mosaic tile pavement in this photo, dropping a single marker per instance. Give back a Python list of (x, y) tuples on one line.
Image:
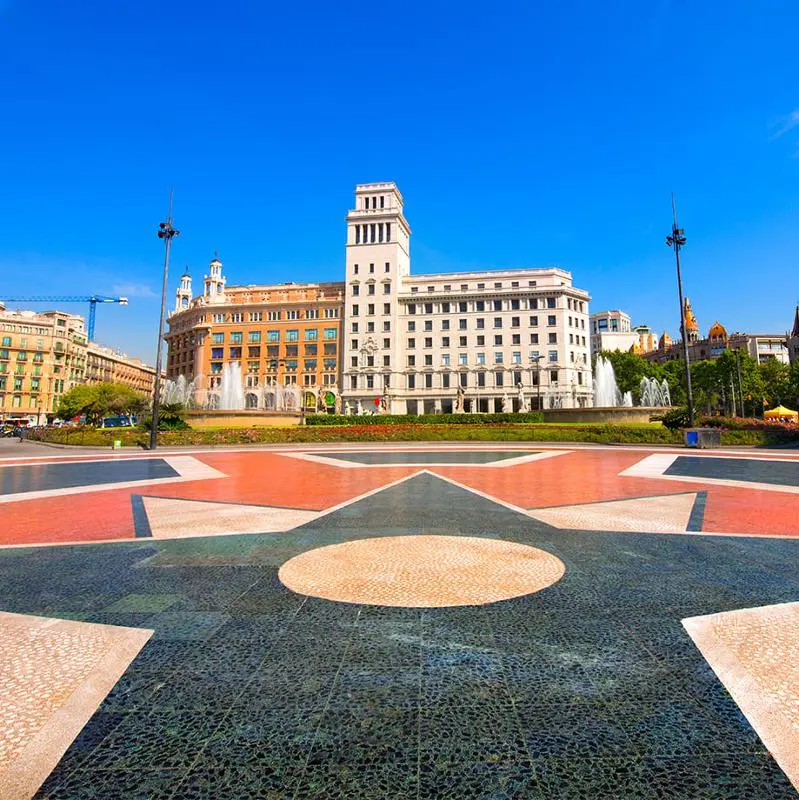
[(665, 514), (168, 518), (755, 653), (421, 571), (588, 688), (53, 674)]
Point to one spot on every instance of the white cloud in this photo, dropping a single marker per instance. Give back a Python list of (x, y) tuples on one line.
[(133, 290), (787, 123)]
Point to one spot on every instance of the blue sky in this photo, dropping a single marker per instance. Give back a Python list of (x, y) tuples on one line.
[(520, 133)]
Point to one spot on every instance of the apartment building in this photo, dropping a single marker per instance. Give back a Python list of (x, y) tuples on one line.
[(107, 364), (42, 355), (613, 330)]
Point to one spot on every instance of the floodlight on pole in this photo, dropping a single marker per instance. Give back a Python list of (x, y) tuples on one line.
[(676, 241), (167, 232)]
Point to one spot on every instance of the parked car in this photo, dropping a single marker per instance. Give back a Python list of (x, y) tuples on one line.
[(122, 421)]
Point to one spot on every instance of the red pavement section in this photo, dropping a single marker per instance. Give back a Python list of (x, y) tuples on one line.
[(581, 476), (751, 511), (71, 518), (259, 478)]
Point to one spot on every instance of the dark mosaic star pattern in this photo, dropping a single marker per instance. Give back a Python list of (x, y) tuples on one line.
[(778, 473), (42, 477), (588, 689)]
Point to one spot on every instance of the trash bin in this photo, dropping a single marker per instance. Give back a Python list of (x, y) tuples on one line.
[(702, 438)]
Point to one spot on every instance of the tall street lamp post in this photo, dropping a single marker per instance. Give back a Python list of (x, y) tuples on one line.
[(677, 241), (166, 232)]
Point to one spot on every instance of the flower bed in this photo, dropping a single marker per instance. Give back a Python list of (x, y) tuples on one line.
[(423, 419)]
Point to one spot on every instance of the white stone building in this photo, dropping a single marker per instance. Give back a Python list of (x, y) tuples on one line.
[(613, 330), (483, 341)]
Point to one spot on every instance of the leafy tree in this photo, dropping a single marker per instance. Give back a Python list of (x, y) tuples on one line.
[(75, 402), (673, 372), (122, 399), (777, 384), (101, 400), (752, 385), (729, 380), (705, 385), (794, 385)]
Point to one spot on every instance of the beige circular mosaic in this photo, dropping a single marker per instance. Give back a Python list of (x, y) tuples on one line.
[(422, 571)]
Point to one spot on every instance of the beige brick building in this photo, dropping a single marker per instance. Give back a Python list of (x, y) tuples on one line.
[(107, 364), (42, 355)]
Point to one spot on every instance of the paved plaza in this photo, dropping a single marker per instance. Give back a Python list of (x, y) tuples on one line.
[(416, 621)]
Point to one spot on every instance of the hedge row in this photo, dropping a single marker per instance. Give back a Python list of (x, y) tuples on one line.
[(372, 432), (423, 419), (88, 436)]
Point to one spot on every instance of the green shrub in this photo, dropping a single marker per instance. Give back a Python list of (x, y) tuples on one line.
[(423, 419), (675, 419), (165, 424)]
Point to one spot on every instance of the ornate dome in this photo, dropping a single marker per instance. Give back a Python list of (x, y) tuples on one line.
[(665, 341), (717, 331)]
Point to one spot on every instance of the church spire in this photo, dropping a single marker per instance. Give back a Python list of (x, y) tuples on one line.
[(795, 331), (691, 325)]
